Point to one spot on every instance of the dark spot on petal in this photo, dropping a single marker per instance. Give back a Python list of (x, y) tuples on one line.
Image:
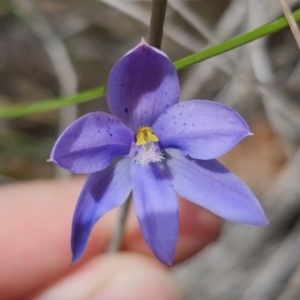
[(193, 124), (126, 110), (110, 135), (184, 124), (145, 112), (98, 130), (108, 119), (190, 115), (180, 114), (118, 120), (98, 118)]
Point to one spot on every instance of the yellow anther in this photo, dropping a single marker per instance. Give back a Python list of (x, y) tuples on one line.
[(145, 135)]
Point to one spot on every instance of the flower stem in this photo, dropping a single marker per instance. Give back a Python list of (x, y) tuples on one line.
[(116, 241), (157, 22), (155, 37)]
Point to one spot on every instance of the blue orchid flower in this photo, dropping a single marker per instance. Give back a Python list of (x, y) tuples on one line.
[(157, 148)]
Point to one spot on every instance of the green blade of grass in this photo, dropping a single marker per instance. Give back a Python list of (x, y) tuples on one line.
[(14, 111), (235, 42), (21, 110)]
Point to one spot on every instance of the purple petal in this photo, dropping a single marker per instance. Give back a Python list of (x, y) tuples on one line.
[(103, 191), (141, 85), (203, 129), (211, 185), (156, 207), (91, 142)]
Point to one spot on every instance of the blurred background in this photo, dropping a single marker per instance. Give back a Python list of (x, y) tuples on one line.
[(61, 47)]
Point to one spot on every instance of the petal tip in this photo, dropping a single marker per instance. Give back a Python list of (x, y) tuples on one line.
[(77, 251), (75, 258), (165, 260), (260, 220), (143, 42), (263, 222)]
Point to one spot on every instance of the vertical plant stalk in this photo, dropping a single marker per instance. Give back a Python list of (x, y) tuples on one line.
[(157, 22), (117, 238), (155, 37)]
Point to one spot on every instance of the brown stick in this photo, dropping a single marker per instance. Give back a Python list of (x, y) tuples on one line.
[(157, 22)]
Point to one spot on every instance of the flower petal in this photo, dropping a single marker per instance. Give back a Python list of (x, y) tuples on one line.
[(156, 207), (141, 85), (89, 144), (103, 191), (203, 129), (211, 185)]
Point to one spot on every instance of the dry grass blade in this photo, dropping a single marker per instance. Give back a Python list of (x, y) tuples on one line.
[(280, 111), (293, 25), (59, 57)]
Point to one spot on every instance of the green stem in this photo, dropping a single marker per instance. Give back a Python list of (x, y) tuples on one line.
[(15, 111), (235, 42)]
